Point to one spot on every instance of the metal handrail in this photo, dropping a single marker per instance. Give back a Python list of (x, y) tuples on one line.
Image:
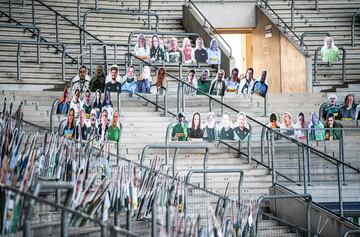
[(211, 26), (343, 63), (351, 232), (292, 9), (131, 13), (57, 14), (97, 4), (20, 43), (211, 171), (27, 27), (306, 33), (177, 147), (52, 112), (69, 210), (279, 19), (307, 198), (356, 14)]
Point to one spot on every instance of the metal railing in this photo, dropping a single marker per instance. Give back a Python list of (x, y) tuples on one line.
[(355, 15), (130, 13), (213, 29), (316, 65), (140, 5), (306, 33), (18, 56), (114, 229), (306, 197), (308, 166), (57, 16), (211, 171), (28, 27), (351, 233), (177, 148), (292, 10)]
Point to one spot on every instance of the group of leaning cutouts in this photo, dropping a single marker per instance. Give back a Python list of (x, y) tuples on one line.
[(158, 49)]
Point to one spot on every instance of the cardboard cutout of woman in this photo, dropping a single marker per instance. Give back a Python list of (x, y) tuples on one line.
[(156, 52), (195, 128), (129, 81), (107, 105), (69, 129), (114, 130), (260, 86), (187, 52), (141, 49), (226, 131), (144, 81), (175, 55), (76, 103), (329, 52), (200, 52), (211, 128), (160, 81), (64, 102), (97, 103), (232, 83), (191, 79), (348, 110), (317, 133), (214, 53), (242, 130)]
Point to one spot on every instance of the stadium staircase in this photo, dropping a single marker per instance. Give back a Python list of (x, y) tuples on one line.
[(38, 105)]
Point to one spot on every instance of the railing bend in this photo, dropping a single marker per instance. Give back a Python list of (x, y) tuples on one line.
[(355, 15), (316, 66), (18, 56)]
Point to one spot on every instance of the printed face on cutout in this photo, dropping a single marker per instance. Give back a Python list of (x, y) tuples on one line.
[(349, 101), (241, 121), (113, 74), (226, 121), (82, 73), (130, 73), (196, 120)]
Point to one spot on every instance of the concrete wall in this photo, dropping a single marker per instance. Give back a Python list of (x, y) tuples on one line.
[(193, 23), (294, 211), (227, 17), (285, 63)]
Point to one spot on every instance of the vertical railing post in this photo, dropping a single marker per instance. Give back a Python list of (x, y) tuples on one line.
[(91, 58), (262, 144), (272, 143), (316, 64), (10, 10), (342, 157), (57, 28), (96, 5), (115, 53), (316, 5), (343, 64), (33, 12), (63, 63), (304, 170), (308, 157), (178, 98), (292, 13), (105, 58), (18, 57), (339, 190), (265, 104), (38, 46), (140, 7)]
